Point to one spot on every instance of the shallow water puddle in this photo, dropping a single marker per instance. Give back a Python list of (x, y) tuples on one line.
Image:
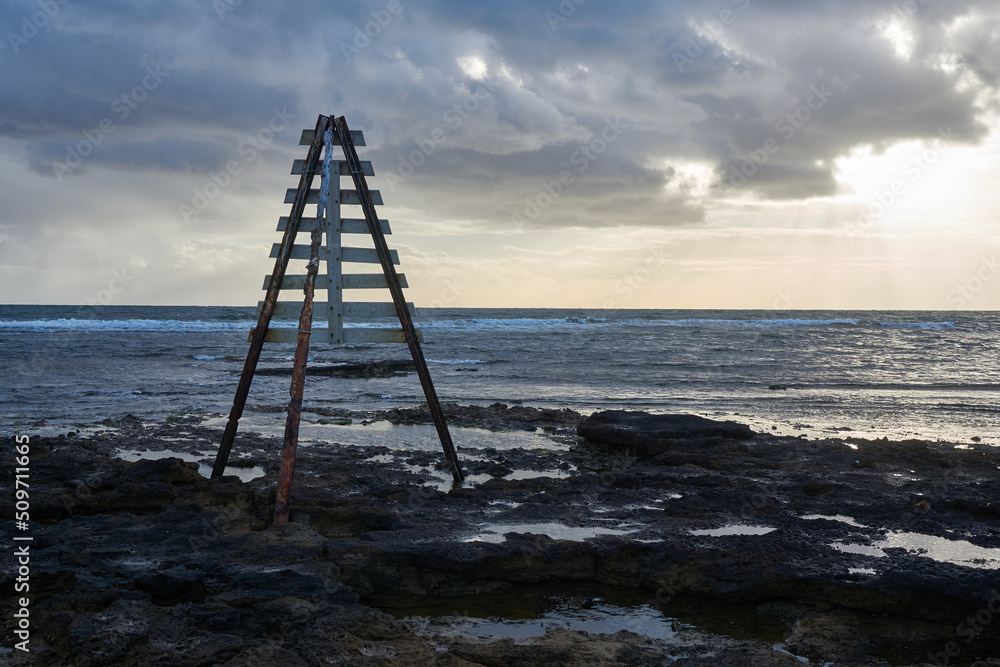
[(598, 618), (204, 469), (526, 611), (834, 517), (442, 481), (496, 533), (422, 437), (943, 550), (726, 531)]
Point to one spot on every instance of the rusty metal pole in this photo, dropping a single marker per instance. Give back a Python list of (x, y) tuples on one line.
[(291, 440), (274, 286), (382, 249)]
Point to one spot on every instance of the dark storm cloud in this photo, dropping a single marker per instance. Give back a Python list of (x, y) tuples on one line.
[(711, 83), (124, 79)]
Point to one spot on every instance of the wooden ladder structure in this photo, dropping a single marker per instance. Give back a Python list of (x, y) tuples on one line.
[(329, 198)]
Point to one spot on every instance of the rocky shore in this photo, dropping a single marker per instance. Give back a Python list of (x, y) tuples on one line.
[(736, 548)]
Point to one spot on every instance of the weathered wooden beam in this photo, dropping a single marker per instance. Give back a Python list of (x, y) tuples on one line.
[(357, 137), (357, 255), (346, 197), (274, 287), (355, 309), (294, 415), (352, 336), (347, 225), (405, 320), (351, 281), (336, 167)]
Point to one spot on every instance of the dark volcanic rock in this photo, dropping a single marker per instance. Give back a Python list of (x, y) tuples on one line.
[(148, 563), (495, 417), (650, 435)]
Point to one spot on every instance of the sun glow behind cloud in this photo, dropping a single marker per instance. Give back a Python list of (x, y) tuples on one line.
[(473, 66), (899, 36)]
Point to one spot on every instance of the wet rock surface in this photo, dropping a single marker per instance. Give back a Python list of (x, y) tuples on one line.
[(647, 435), (150, 563)]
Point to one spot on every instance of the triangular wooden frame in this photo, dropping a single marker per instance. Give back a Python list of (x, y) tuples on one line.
[(335, 309)]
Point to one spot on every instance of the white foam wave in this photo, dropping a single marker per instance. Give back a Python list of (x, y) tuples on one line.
[(72, 324), (456, 361), (791, 322), (470, 324)]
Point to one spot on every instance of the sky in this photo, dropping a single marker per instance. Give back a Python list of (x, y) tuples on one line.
[(830, 154)]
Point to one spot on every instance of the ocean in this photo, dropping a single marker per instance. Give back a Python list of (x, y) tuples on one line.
[(928, 375)]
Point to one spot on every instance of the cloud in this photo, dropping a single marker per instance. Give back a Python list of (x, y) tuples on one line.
[(705, 83), (507, 99)]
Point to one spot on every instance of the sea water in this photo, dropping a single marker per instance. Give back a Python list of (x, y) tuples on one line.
[(929, 374)]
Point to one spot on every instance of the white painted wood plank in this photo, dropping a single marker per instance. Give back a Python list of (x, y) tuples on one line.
[(299, 251), (334, 266), (365, 255), (356, 336), (344, 170), (360, 226), (371, 281), (297, 283), (280, 335), (351, 281), (347, 225), (351, 336), (357, 137), (346, 197), (365, 309), (358, 255), (292, 309), (359, 310)]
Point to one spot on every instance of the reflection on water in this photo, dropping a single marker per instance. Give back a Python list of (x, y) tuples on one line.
[(557, 531), (834, 517), (734, 530), (405, 437), (943, 550), (201, 458), (597, 619)]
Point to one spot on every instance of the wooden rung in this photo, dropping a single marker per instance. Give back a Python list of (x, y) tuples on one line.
[(351, 281), (365, 309), (365, 255), (356, 136), (359, 255), (356, 336), (360, 226), (346, 196), (371, 281), (351, 336), (366, 167), (354, 310), (347, 225)]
